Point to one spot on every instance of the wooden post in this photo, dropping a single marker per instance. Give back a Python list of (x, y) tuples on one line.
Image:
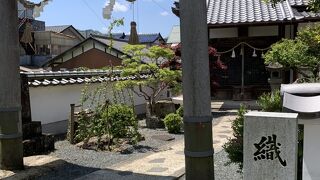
[(71, 123), (11, 150), (196, 90)]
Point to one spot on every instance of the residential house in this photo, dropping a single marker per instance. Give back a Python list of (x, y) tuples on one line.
[(90, 53)]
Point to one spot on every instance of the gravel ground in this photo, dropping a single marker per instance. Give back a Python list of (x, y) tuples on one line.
[(82, 162), (223, 172)]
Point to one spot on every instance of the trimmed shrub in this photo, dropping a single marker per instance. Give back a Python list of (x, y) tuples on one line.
[(121, 121), (115, 121), (270, 102), (234, 147), (173, 123)]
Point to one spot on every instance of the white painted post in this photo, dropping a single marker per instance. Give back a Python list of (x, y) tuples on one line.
[(311, 149)]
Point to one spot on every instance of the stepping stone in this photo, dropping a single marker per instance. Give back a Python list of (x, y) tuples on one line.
[(157, 169), (225, 126), (160, 160), (223, 136), (163, 137), (125, 173)]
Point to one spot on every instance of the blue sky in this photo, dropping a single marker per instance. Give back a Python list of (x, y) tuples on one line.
[(152, 16)]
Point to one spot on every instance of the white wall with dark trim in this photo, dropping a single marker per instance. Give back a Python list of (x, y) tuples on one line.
[(51, 104)]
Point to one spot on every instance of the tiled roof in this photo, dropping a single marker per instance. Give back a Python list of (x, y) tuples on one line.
[(57, 29), (50, 78), (143, 38), (299, 2), (240, 11), (224, 12)]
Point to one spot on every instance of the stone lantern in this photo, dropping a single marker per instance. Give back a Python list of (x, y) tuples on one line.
[(276, 75)]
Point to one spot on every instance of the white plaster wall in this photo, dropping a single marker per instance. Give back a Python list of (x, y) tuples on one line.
[(223, 33), (51, 104), (77, 51), (263, 31), (88, 45), (100, 46)]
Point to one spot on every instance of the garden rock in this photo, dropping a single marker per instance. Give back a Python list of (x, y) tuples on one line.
[(164, 107), (154, 122)]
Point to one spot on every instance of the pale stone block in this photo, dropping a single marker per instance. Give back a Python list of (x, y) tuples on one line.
[(270, 146)]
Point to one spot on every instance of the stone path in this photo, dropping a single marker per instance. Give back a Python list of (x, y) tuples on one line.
[(167, 164)]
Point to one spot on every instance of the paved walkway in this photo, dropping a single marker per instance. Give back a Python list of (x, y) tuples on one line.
[(166, 164)]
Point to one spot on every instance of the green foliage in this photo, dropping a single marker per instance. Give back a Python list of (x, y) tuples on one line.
[(180, 111), (158, 78), (173, 123), (234, 147), (121, 122), (302, 52), (270, 102), (115, 23), (101, 117), (113, 121)]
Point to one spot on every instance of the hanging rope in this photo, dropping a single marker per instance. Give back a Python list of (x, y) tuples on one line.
[(243, 43)]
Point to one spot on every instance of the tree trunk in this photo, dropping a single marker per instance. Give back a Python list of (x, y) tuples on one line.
[(152, 121), (11, 152)]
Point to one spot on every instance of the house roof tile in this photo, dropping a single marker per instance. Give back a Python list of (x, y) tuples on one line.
[(241, 11), (55, 78), (57, 29), (143, 38)]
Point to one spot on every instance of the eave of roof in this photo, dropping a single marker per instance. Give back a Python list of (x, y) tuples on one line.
[(56, 78)]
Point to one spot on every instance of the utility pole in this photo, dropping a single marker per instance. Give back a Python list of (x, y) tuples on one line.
[(196, 90), (11, 152)]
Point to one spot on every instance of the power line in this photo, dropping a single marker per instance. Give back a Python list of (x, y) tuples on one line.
[(160, 6), (92, 10)]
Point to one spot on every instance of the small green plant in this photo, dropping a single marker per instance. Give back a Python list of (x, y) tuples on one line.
[(270, 102), (173, 123), (234, 147), (112, 121), (121, 122), (180, 111)]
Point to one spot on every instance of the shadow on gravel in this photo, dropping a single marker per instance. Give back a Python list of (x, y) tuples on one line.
[(62, 170), (110, 174), (57, 170), (138, 148)]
